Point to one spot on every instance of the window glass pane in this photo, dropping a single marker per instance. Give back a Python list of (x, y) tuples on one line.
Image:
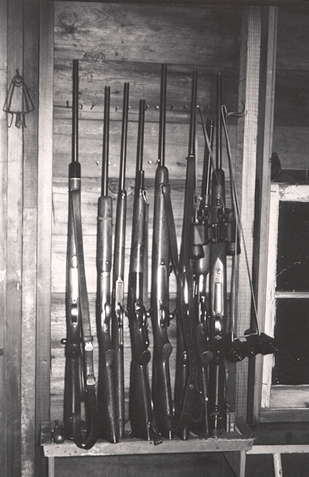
[(293, 247), (292, 339)]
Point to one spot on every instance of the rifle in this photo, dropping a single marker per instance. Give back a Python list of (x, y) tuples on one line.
[(140, 402), (107, 398), (79, 392), (160, 315), (187, 381), (201, 273), (118, 267), (219, 225)]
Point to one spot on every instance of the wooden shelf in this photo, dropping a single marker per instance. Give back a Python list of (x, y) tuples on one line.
[(232, 442), (233, 445)]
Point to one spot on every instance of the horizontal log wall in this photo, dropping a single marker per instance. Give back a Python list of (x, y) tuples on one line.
[(127, 43)]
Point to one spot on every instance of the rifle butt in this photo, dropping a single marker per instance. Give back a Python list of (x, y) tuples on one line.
[(140, 405), (107, 398), (161, 387), (181, 379), (117, 340)]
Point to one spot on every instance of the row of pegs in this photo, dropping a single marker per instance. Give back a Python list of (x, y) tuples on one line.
[(148, 106)]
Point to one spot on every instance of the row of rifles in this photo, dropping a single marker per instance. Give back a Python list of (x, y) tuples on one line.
[(95, 408)]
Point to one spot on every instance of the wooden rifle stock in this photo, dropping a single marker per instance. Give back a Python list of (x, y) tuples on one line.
[(80, 392), (140, 402), (160, 315), (107, 397), (118, 267)]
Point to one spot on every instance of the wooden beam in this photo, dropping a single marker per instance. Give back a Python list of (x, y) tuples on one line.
[(3, 228), (279, 449), (29, 240), (262, 198), (14, 253), (44, 223), (247, 130), (28, 437), (207, 2)]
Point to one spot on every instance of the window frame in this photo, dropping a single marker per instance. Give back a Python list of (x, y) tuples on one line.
[(280, 402)]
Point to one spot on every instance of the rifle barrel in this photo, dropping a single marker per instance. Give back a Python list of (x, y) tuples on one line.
[(119, 248), (205, 189), (190, 180), (219, 123), (105, 151), (124, 133), (75, 113), (191, 151), (140, 138), (161, 151)]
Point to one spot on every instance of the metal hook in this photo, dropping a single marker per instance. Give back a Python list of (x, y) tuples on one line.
[(238, 114)]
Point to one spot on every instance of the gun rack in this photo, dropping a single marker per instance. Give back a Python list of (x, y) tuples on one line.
[(234, 445)]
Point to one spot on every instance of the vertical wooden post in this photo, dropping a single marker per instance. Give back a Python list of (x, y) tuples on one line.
[(247, 130), (44, 229), (29, 240), (3, 228), (12, 347), (25, 219), (254, 134), (262, 199)]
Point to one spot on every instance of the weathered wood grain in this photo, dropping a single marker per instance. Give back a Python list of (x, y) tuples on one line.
[(29, 275), (44, 197), (292, 146), (3, 228), (194, 35), (28, 327), (90, 148), (12, 354), (246, 158), (292, 98), (262, 196), (293, 38), (144, 81)]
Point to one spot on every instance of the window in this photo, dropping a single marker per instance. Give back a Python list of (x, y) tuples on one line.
[(285, 388)]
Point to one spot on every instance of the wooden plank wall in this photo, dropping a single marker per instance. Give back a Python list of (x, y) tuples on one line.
[(3, 221), (45, 168), (118, 43), (21, 395), (19, 43), (14, 251)]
